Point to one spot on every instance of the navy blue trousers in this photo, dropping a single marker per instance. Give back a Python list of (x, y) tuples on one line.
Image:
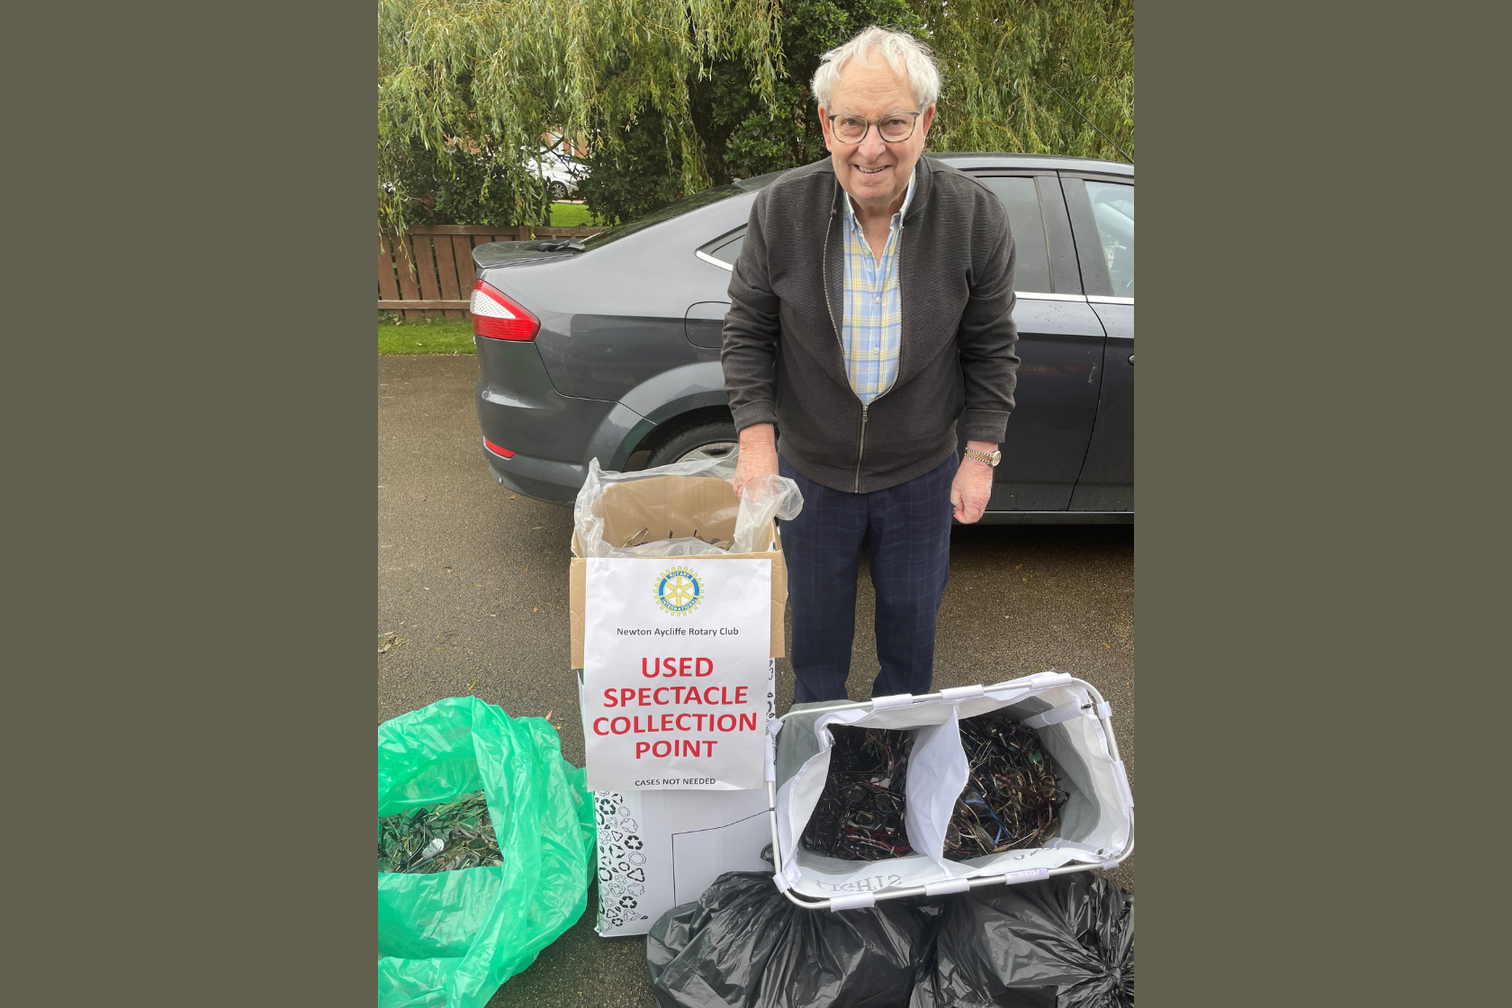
[(906, 532)]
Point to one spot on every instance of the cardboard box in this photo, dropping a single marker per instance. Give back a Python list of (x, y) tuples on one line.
[(659, 849), (675, 506)]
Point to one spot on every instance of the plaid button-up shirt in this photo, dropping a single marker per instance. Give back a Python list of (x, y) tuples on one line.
[(872, 330)]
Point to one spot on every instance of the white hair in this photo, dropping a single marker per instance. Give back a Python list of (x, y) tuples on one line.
[(909, 58)]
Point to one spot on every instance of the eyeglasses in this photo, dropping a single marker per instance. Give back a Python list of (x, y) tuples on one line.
[(894, 127)]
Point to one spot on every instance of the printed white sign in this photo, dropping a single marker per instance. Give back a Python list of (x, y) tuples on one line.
[(675, 672)]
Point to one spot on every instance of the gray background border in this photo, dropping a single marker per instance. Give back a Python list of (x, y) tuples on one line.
[(195, 511)]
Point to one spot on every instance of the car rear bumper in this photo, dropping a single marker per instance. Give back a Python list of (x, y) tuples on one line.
[(538, 479), (549, 435)]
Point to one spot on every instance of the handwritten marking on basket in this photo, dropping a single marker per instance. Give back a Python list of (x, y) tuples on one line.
[(863, 885), (678, 591)]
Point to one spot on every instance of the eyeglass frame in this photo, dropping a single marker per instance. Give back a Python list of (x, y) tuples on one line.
[(870, 123)]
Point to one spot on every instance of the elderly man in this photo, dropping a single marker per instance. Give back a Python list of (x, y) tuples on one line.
[(871, 314)]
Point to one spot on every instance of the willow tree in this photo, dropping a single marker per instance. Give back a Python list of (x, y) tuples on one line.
[(1034, 76), (488, 77), (679, 94), (742, 133)]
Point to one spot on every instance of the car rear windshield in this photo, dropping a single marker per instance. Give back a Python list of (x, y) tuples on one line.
[(666, 213)]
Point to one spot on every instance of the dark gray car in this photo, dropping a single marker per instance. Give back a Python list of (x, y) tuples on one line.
[(608, 346)]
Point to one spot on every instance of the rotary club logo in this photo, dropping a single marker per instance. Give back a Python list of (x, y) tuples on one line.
[(678, 591)]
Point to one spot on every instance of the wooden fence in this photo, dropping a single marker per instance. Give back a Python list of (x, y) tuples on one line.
[(440, 283)]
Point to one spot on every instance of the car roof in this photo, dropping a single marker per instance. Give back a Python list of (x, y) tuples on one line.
[(992, 159), (1054, 162)]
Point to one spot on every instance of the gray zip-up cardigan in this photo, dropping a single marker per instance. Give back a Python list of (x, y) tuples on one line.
[(783, 359)]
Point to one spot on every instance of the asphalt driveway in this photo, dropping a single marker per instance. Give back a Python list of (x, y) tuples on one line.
[(474, 581)]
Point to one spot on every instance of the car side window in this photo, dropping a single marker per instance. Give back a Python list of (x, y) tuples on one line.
[(1021, 199), (725, 248), (661, 214), (1113, 209)]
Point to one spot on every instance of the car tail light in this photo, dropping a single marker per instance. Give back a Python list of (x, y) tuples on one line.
[(497, 450), (498, 316)]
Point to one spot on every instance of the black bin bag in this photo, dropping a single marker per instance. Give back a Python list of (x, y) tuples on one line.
[(744, 944), (1066, 942)]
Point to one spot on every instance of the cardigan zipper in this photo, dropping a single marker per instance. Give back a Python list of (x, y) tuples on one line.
[(866, 407), (830, 308), (861, 452), (824, 279)]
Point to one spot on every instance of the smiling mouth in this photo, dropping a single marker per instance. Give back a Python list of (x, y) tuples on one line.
[(872, 171)]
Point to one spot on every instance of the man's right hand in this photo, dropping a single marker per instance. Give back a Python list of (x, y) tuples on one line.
[(758, 455)]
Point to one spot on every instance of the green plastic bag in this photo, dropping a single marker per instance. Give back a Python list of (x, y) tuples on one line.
[(453, 937)]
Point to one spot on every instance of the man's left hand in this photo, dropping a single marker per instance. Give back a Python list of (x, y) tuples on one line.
[(972, 486)]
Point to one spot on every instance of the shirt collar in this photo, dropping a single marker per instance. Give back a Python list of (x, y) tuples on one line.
[(850, 209)]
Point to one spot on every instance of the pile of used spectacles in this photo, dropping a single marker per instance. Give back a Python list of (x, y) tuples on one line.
[(860, 812), (444, 837), (1011, 795)]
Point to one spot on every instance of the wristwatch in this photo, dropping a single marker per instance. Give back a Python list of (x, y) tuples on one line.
[(991, 460)]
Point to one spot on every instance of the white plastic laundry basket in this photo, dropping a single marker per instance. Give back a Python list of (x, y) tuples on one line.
[(1096, 822)]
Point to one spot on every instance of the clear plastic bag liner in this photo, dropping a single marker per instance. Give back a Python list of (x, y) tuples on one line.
[(762, 501)]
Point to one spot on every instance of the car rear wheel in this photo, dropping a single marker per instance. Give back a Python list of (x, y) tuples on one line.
[(558, 191), (706, 441)]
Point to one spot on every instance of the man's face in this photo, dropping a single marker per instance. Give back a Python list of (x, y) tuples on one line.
[(873, 172)]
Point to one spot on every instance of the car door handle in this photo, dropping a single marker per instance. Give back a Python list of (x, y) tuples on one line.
[(1131, 358)]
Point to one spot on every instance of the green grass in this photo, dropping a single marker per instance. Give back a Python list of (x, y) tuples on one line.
[(427, 336), (571, 215)]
